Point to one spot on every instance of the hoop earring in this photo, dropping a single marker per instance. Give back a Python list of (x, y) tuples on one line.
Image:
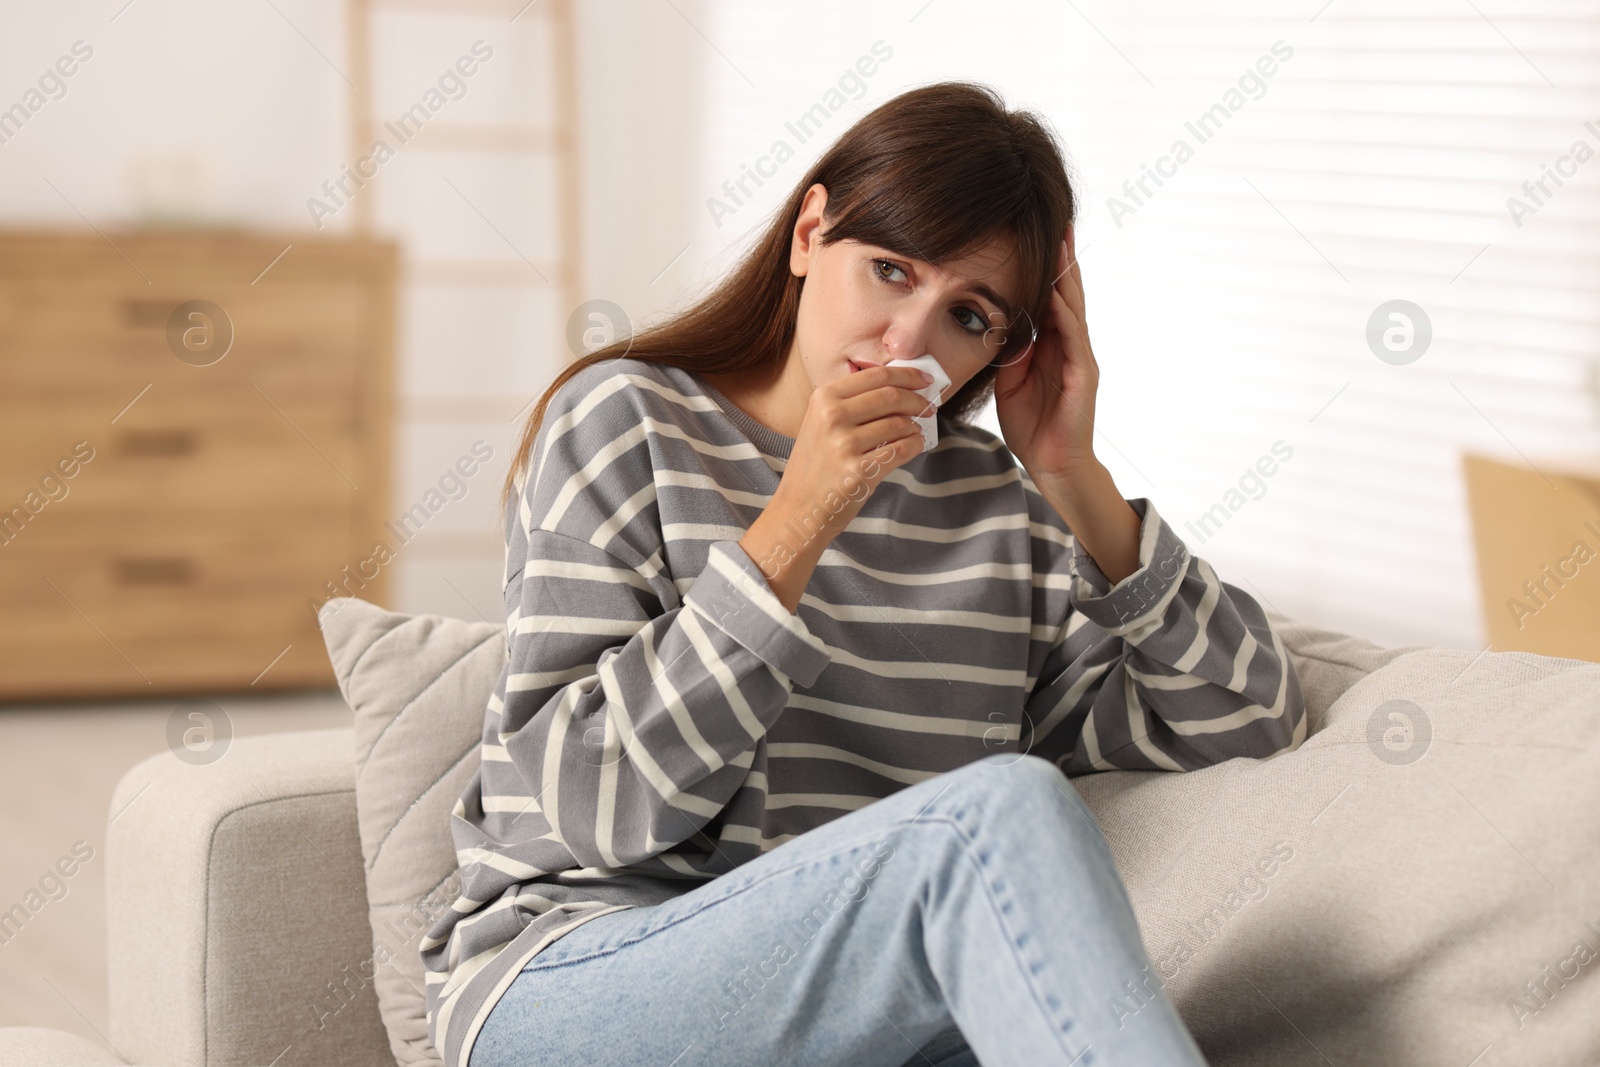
[(1033, 337)]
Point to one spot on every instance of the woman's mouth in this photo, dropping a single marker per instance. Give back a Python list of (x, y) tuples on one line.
[(854, 366)]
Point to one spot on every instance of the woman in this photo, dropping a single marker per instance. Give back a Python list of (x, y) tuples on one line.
[(776, 770)]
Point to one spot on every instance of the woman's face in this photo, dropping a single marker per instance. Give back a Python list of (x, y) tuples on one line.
[(862, 305)]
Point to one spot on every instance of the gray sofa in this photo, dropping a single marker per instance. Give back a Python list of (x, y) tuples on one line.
[(1435, 876), (237, 916)]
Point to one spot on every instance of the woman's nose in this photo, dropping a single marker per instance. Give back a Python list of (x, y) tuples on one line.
[(907, 337)]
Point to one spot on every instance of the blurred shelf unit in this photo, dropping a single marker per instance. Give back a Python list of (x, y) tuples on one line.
[(195, 438)]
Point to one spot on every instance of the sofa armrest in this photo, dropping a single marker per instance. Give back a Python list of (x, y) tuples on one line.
[(237, 909), (36, 1046)]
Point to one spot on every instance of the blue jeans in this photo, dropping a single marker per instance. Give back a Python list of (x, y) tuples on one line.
[(974, 917)]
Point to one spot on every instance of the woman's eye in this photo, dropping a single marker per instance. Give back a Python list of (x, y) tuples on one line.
[(973, 323), (969, 318)]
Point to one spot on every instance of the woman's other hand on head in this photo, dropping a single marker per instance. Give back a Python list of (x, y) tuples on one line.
[(1045, 400)]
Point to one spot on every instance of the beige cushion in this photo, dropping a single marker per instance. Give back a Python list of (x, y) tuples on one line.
[(418, 686), (1338, 901), (1401, 906)]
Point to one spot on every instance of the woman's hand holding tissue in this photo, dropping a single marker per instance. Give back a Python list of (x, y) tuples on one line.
[(856, 429)]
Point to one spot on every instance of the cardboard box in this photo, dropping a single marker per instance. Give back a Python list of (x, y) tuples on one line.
[(1537, 533)]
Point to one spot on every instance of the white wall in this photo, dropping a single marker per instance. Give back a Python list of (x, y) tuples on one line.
[(211, 111)]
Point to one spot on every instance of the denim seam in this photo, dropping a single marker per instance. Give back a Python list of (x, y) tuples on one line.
[(999, 917)]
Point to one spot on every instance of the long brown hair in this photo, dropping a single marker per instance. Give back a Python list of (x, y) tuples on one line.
[(932, 174)]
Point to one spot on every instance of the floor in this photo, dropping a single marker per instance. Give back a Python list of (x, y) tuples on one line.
[(60, 765)]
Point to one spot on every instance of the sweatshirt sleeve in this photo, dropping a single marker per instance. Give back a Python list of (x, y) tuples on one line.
[(1169, 669), (626, 720), (629, 712)]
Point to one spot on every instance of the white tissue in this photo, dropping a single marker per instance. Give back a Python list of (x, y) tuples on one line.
[(941, 381)]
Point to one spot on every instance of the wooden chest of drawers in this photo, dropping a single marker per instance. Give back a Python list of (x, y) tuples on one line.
[(194, 454)]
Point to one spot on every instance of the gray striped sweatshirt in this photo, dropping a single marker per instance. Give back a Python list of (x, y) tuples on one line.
[(662, 718)]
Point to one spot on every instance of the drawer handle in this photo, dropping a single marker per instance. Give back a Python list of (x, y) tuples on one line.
[(146, 313), (155, 570), (148, 443)]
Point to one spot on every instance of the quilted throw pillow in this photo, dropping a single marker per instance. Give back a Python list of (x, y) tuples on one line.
[(418, 685)]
